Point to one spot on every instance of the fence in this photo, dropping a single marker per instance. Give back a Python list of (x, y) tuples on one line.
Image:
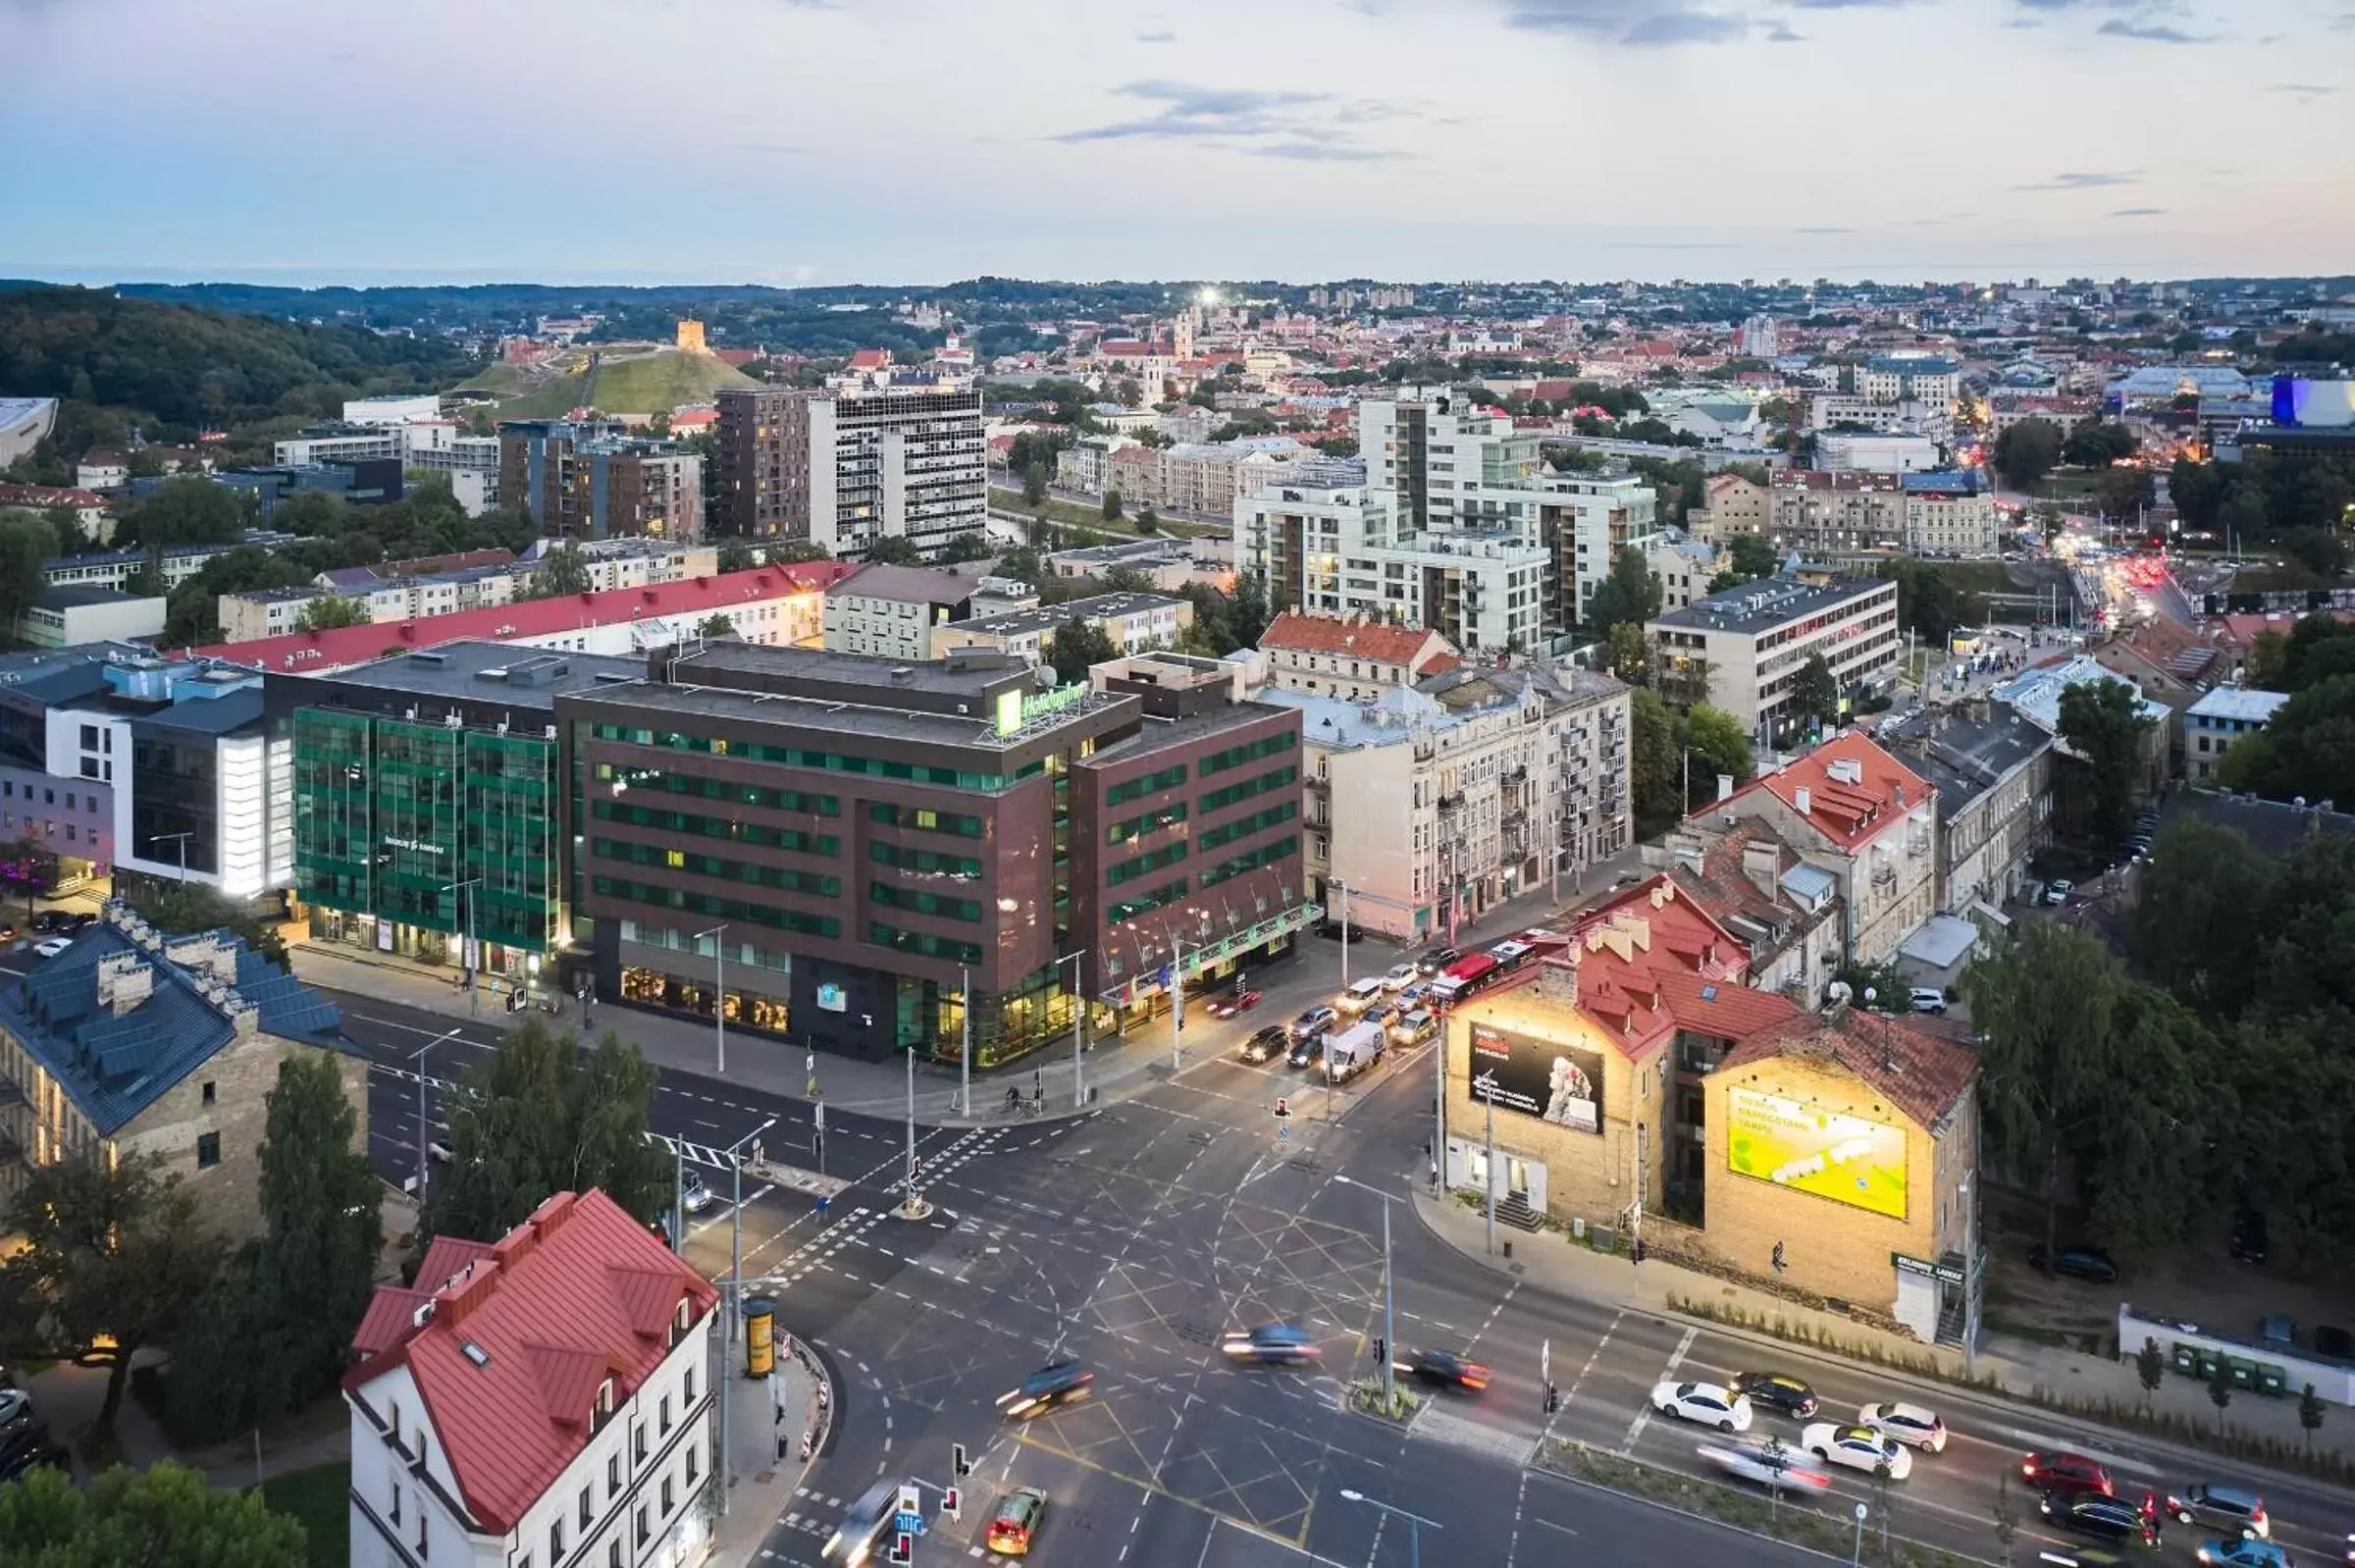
[(2263, 1367)]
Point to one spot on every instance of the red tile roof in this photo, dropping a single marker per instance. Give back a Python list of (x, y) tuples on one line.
[(314, 652), (1418, 649), (576, 1293), (1919, 1073), (1847, 814)]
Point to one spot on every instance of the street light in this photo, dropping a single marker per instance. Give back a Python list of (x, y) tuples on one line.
[(466, 954), (184, 849), (1078, 1022), (734, 1303), (1390, 1325), (1414, 1524), (719, 991), (418, 1057)]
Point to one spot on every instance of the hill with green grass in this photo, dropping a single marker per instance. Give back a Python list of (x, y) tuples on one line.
[(631, 383)]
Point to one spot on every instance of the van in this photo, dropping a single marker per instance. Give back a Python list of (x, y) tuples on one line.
[(1353, 1051), (1361, 995)]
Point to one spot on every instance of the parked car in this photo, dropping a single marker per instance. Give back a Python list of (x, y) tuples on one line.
[(2055, 1470), (2236, 1510), (53, 947), (1415, 995), (2089, 1513), (1856, 1447), (1401, 976), (1777, 1390), (2059, 890), (48, 922), (1272, 1041), (1928, 999), (1703, 1402), (2077, 1263), (1910, 1425), (1316, 1021)]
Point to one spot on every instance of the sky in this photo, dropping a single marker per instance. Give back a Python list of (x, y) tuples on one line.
[(913, 141)]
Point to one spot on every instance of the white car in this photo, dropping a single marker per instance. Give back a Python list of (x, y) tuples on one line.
[(1402, 976), (1858, 1447), (1786, 1470), (53, 947), (1910, 1425), (1703, 1402), (2060, 891)]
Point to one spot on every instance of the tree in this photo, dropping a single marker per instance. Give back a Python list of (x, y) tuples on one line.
[(1076, 647), (111, 1258), (1930, 603), (2199, 917), (178, 908), (793, 552), (2097, 444), (329, 612), (1125, 580), (2310, 1415), (1021, 564), (1035, 484), (1814, 693), (2045, 1007), (2102, 722), (2220, 1389), (1885, 981), (26, 545), (716, 625), (540, 1117), (1112, 507), (2026, 452), (1631, 593), (1752, 557), (735, 555), (561, 573), (1148, 521), (185, 511), (1628, 653), (28, 870), (1653, 764), (965, 548), (894, 550), (1717, 745), (2150, 1369), (167, 1516)]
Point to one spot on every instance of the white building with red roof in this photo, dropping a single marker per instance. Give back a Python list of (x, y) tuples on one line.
[(1350, 657), (541, 1401)]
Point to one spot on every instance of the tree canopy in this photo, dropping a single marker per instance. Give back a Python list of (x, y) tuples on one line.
[(166, 1516), (894, 550), (2026, 452), (1631, 593), (1718, 745), (1076, 647), (2103, 721), (1814, 693)]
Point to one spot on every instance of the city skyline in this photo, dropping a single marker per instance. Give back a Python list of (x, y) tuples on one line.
[(912, 142)]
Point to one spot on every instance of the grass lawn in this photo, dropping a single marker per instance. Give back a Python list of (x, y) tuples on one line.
[(321, 1498), (2072, 484), (1070, 514)]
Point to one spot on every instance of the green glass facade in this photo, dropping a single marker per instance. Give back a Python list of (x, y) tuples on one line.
[(390, 813)]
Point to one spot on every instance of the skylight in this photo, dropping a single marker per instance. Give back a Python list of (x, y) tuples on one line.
[(474, 1352)]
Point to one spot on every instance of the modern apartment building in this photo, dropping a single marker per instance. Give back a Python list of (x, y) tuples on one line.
[(876, 454), (1950, 514), (876, 840), (1585, 520), (543, 1400), (585, 480), (1433, 802), (1739, 650), (1134, 623)]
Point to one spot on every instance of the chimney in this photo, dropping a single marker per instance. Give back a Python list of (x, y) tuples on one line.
[(1807, 800), (1760, 862), (1557, 978), (125, 983)]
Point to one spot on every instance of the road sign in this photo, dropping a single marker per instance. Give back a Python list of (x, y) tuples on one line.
[(818, 1115), (911, 1501), (1283, 1133)]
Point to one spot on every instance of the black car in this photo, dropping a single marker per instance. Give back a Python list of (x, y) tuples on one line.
[(1777, 1390), (1447, 1369), (2089, 1513), (1264, 1044), (29, 1449), (48, 922), (1435, 960), (1047, 1387), (1307, 1052), (2077, 1263), (2248, 1236)]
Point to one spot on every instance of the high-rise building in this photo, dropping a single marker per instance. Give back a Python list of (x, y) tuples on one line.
[(585, 478), (1761, 337), (879, 452)]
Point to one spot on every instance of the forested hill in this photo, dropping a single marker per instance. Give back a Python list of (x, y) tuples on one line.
[(174, 369)]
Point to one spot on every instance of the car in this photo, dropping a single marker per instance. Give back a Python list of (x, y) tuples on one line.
[(440, 1150), (1772, 1466), (1272, 1041), (1447, 1369), (2248, 1235), (1703, 1402), (1065, 1383), (15, 1404), (30, 1450), (2059, 890), (1910, 1425), (1415, 995), (1414, 1027), (2243, 1554), (1234, 1004), (1316, 1021), (1379, 1012), (2333, 1343), (1015, 1523), (1271, 1345), (1432, 961), (1858, 1447), (2058, 1470), (2089, 1513), (1928, 999), (1361, 995), (853, 1544), (1401, 976), (2077, 1263), (53, 947), (1307, 1052), (1777, 1390), (48, 922), (2235, 1509), (695, 1194)]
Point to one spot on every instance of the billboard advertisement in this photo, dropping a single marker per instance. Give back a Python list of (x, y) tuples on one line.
[(1844, 1158), (1545, 1078)]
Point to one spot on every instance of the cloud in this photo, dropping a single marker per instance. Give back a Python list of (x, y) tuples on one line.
[(2083, 181), (2151, 32), (2079, 5), (1824, 228), (1780, 33), (1850, 5), (2138, 212), (1157, 38), (1305, 127), (1326, 152), (1632, 23), (2302, 90)]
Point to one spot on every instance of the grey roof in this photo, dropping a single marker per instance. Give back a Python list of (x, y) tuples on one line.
[(116, 1065), (79, 594), (1963, 756), (922, 585), (207, 716), (1052, 617), (1768, 603), (2246, 705), (494, 671), (2273, 827), (2036, 692)]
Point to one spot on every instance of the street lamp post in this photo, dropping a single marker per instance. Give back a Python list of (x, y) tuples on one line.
[(1344, 887), (1485, 1083), (965, 1051), (418, 1056), (735, 1300), (183, 839), (466, 954), (1390, 1327), (1078, 1022), (719, 992), (1414, 1524), (1177, 1003)]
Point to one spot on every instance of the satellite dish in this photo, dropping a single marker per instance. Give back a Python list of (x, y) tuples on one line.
[(1838, 992)]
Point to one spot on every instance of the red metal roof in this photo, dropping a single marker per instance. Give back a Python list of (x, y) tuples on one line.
[(576, 1293), (313, 652), (1417, 649), (1921, 1075), (1846, 815)]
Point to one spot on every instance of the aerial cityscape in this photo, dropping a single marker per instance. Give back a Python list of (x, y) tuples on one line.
[(1508, 783)]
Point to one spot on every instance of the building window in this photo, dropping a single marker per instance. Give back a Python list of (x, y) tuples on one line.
[(209, 1095), (613, 1555), (555, 1541), (638, 1442), (665, 1414), (667, 1504), (689, 1395), (613, 1475), (588, 1514), (395, 1514), (691, 1464), (208, 1150), (642, 1532), (425, 1544)]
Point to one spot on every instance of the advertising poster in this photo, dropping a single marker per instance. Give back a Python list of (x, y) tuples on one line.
[(1844, 1158), (1548, 1080)]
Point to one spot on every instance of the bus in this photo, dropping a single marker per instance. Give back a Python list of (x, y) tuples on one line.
[(1459, 980)]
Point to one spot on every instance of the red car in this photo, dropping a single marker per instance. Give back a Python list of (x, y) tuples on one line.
[(2059, 1471), (1234, 1003)]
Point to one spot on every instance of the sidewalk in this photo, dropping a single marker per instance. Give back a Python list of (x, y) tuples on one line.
[(2022, 1369), (775, 1431)]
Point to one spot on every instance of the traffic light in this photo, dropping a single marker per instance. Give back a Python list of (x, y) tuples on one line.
[(1284, 1108), (948, 1504), (1637, 1250), (1380, 1349), (958, 1464), (1553, 1398), (902, 1550)]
